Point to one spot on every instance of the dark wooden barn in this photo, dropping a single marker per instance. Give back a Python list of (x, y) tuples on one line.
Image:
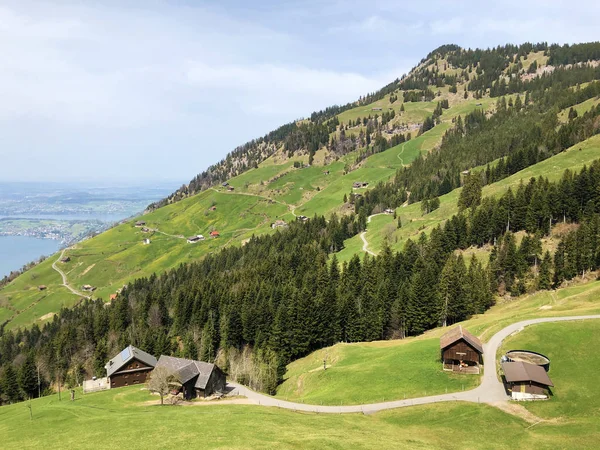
[(195, 378), (461, 351), (131, 366), (526, 381)]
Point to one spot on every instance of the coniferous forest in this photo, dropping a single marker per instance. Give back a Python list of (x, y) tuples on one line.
[(257, 307), (282, 296)]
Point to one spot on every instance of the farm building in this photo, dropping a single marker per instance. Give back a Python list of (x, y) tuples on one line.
[(213, 208), (131, 366), (194, 239), (225, 184), (461, 351), (279, 224), (145, 230), (66, 259), (140, 223), (87, 287), (112, 297), (302, 218), (359, 184), (230, 188), (389, 211), (526, 381), (214, 234), (195, 378), (42, 287), (146, 241)]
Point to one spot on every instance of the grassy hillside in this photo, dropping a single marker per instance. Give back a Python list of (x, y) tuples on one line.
[(119, 416), (414, 222), (275, 189), (410, 367), (573, 368)]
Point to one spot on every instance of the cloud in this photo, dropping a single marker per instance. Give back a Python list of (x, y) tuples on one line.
[(447, 26), (270, 89)]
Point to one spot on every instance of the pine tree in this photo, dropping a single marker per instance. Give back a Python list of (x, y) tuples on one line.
[(10, 384), (544, 280), (28, 377)]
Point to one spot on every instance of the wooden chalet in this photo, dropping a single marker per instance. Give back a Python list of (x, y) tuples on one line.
[(461, 351), (194, 378), (66, 259), (88, 288), (302, 218), (526, 381), (42, 287), (131, 366), (112, 297), (140, 223), (214, 234), (230, 188)]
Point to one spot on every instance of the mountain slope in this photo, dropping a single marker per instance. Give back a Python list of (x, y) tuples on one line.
[(281, 185)]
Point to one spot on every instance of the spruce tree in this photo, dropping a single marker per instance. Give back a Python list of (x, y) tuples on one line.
[(10, 384)]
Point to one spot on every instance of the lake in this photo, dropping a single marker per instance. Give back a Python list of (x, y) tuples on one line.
[(15, 251)]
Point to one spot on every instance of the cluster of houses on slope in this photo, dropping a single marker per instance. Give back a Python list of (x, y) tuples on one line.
[(525, 372), (190, 378)]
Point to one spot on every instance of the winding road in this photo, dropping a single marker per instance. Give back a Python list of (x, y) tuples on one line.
[(64, 277), (363, 235), (490, 390)]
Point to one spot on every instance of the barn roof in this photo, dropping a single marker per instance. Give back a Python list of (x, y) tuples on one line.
[(127, 354), (520, 371), (458, 333), (186, 369)]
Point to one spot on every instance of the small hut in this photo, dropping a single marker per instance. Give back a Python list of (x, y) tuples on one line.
[(526, 381), (461, 351)]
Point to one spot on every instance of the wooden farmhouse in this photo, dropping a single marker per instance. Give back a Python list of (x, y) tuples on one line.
[(214, 234), (131, 366), (461, 351), (526, 381), (140, 223), (194, 378)]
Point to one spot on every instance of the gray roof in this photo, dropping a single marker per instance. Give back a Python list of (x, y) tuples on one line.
[(187, 369), (127, 354), (515, 372)]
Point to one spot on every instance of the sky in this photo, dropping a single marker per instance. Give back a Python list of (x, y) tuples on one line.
[(148, 91)]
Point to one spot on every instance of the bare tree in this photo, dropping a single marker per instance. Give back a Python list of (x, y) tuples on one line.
[(160, 382)]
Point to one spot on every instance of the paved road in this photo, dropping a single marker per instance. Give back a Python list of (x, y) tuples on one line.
[(64, 277), (489, 391)]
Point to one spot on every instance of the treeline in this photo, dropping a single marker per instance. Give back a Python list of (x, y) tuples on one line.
[(277, 295), (573, 54)]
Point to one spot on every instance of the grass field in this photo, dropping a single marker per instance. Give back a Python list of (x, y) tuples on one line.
[(573, 368), (371, 372), (120, 417), (410, 367)]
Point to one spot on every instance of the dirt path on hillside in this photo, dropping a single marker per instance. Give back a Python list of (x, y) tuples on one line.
[(64, 276), (363, 236)]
